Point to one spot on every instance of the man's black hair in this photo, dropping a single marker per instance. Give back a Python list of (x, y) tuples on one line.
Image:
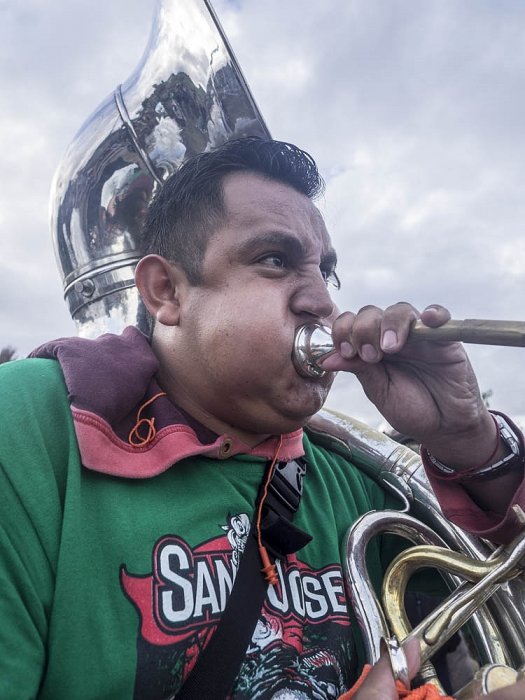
[(189, 207)]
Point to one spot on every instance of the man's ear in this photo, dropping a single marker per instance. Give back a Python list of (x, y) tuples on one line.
[(159, 283)]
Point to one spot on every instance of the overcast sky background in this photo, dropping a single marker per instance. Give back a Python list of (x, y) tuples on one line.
[(414, 110)]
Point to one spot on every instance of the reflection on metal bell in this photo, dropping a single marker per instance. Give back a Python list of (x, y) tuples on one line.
[(186, 96)]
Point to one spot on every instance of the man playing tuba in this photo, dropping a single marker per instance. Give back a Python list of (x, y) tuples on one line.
[(131, 465)]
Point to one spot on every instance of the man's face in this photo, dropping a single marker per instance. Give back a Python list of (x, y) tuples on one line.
[(264, 274)]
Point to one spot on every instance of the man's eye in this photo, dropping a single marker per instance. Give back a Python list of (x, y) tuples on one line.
[(331, 278), (273, 260)]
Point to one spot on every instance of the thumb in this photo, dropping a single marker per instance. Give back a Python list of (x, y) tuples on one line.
[(380, 684)]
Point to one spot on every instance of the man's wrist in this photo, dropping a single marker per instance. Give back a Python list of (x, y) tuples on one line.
[(495, 466)]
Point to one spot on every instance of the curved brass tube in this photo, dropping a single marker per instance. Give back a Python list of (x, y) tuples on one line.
[(433, 632), (418, 557)]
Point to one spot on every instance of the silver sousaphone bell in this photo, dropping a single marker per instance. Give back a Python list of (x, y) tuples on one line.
[(186, 96)]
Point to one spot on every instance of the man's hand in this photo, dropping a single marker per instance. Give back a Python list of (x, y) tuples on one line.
[(424, 389), (379, 684)]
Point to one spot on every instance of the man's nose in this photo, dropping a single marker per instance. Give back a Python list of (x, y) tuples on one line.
[(312, 299)]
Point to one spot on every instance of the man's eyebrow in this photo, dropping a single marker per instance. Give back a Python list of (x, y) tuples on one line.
[(291, 244), (329, 259), (286, 241)]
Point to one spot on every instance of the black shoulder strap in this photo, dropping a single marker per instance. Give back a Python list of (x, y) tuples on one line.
[(219, 663)]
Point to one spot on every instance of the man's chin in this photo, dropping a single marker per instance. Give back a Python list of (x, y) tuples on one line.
[(282, 423), (315, 398), (275, 417), (302, 414)]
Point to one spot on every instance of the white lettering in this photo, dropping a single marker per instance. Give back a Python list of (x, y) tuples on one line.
[(334, 590), (205, 594), (176, 603), (316, 605), (274, 601)]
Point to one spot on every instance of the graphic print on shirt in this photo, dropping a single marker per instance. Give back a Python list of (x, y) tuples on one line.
[(301, 647)]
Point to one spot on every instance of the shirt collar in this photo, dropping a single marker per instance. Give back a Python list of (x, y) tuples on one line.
[(109, 380)]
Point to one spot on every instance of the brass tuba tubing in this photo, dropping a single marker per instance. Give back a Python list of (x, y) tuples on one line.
[(505, 564), (314, 341), (473, 330), (496, 629)]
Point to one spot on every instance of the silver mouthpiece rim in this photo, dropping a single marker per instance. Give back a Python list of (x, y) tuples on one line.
[(312, 342)]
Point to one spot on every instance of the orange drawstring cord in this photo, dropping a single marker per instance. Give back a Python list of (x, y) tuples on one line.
[(134, 437), (424, 692), (269, 570)]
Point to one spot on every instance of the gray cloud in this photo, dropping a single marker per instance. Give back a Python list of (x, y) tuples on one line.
[(414, 112)]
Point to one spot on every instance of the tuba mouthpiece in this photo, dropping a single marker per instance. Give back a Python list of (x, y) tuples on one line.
[(312, 342)]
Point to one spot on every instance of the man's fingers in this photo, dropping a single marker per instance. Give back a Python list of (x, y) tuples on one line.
[(373, 331), (380, 684), (435, 315)]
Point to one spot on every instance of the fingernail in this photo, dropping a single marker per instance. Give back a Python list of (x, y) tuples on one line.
[(347, 350), (369, 353), (389, 340)]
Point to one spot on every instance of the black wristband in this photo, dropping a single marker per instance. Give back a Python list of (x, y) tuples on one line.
[(514, 459)]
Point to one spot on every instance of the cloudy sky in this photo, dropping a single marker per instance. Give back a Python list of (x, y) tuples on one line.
[(414, 110)]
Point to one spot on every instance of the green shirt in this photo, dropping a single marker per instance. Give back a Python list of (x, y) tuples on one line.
[(110, 586)]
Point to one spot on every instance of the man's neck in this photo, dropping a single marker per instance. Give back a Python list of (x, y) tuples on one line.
[(181, 399), (221, 428)]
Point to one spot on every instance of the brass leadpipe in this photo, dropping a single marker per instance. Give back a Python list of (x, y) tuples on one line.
[(314, 341), (473, 330)]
